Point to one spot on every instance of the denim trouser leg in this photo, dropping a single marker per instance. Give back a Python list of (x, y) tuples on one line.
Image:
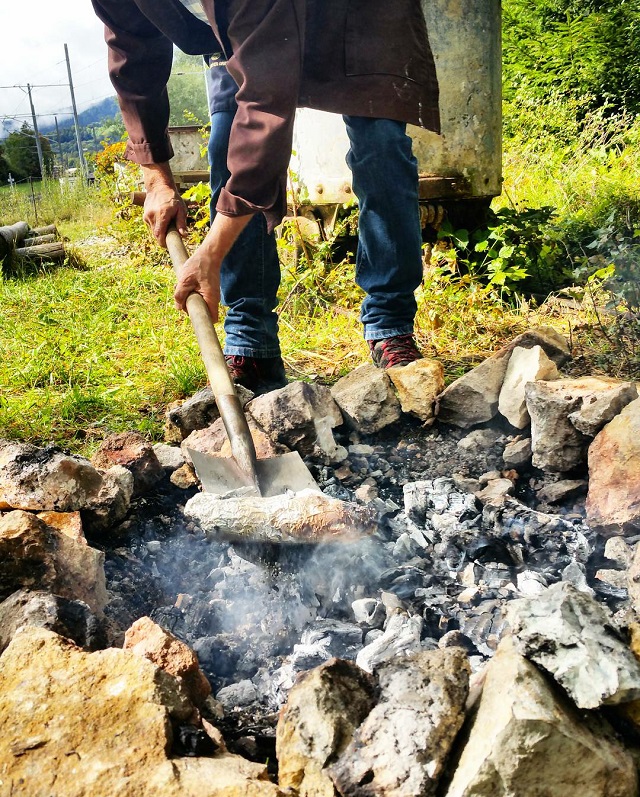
[(250, 274), (389, 258)]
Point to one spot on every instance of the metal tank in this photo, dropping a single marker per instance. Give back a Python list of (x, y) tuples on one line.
[(465, 162)]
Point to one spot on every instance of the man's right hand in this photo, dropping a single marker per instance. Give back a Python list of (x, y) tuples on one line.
[(163, 203)]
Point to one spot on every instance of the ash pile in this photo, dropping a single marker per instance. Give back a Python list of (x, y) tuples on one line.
[(474, 633)]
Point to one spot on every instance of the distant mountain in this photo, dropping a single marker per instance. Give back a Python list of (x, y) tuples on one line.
[(94, 114)]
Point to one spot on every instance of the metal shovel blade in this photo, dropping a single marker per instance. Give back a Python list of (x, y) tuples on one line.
[(221, 475)]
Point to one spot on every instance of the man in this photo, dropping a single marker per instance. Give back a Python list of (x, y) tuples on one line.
[(368, 59)]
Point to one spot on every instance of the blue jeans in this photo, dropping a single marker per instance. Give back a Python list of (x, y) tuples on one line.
[(389, 256)]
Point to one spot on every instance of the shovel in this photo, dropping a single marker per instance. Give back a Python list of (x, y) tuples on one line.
[(243, 473)]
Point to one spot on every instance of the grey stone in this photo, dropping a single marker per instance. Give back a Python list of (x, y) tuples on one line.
[(300, 416), (244, 693), (599, 410), (367, 399), (401, 747), (527, 740), (561, 490), (617, 550), (517, 453), (496, 491), (113, 501), (68, 618), (45, 479), (170, 457), (557, 445), (570, 635), (323, 710), (369, 612), (479, 440)]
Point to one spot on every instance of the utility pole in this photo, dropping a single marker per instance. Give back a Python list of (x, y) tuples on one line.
[(83, 165), (37, 134), (60, 153)]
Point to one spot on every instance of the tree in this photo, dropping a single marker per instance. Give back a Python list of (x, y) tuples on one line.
[(21, 153), (187, 92), (4, 167)]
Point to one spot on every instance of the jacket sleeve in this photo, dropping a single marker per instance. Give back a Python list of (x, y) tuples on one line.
[(140, 59)]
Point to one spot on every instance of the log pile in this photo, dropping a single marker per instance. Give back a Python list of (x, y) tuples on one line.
[(19, 243)]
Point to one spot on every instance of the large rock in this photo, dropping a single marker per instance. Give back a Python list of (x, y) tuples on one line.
[(418, 384), (367, 399), (525, 365), (599, 410), (71, 619), (45, 479), (130, 450), (36, 556), (474, 398), (300, 416), (112, 503), (148, 639), (323, 710), (401, 748), (78, 724), (197, 412), (527, 740), (214, 441), (557, 445), (570, 635), (613, 502)]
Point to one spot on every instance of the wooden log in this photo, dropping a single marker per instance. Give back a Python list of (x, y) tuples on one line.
[(37, 240), (42, 253), (14, 233), (50, 229), (304, 517)]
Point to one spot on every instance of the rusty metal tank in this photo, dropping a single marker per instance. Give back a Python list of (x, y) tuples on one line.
[(465, 162)]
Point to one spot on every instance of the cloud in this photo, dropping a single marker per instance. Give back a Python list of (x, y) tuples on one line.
[(33, 53)]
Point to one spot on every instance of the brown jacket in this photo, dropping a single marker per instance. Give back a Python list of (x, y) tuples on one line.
[(358, 57)]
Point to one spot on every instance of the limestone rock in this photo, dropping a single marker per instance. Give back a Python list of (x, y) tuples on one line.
[(71, 619), (214, 441), (130, 450), (148, 639), (299, 416), (69, 523), (418, 384), (570, 635), (323, 710), (195, 413), (561, 490), (401, 748), (525, 365), (599, 410), (45, 479), (495, 492), (527, 739), (170, 457), (557, 445), (36, 556), (184, 478), (474, 398), (367, 399), (613, 502), (77, 724), (517, 453), (113, 501)]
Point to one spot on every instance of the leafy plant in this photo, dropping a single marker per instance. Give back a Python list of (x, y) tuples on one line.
[(518, 251)]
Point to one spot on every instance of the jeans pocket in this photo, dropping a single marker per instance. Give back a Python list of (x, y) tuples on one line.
[(387, 37)]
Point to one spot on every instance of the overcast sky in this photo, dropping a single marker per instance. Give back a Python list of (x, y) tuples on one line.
[(33, 52)]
